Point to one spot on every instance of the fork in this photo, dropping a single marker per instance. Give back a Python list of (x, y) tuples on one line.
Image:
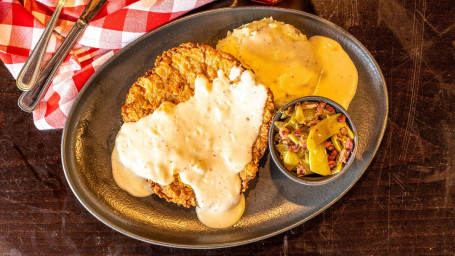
[(29, 73), (29, 100)]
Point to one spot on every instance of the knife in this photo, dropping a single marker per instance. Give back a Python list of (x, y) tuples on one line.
[(29, 100)]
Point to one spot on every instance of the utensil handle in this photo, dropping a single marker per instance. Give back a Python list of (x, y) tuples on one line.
[(29, 73), (29, 100), (91, 10)]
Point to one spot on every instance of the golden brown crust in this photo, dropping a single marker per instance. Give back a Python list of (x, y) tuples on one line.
[(177, 192), (173, 79)]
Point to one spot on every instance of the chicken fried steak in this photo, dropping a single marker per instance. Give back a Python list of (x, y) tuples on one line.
[(172, 79)]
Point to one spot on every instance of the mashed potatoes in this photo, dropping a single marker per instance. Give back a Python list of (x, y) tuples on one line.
[(291, 65)]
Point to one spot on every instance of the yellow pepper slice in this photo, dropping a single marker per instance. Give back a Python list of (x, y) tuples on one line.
[(318, 161), (290, 160), (336, 142), (350, 133), (294, 138), (337, 168), (278, 124), (299, 115), (323, 130), (281, 148)]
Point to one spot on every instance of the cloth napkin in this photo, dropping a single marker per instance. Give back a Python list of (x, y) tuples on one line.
[(116, 25)]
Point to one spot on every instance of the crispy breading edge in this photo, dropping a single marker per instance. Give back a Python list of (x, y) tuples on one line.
[(138, 101)]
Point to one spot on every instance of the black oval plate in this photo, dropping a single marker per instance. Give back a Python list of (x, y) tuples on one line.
[(274, 203)]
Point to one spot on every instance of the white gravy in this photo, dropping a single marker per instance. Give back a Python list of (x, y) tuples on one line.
[(207, 140), (228, 217), (127, 180)]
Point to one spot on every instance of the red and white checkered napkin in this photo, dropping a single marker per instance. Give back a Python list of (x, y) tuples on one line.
[(119, 23)]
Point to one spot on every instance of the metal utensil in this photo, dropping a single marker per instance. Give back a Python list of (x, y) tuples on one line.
[(29, 73), (29, 100)]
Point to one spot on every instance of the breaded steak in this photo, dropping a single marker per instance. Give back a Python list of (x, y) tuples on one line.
[(172, 79)]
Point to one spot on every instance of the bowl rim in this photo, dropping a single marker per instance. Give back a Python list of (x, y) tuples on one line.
[(318, 180)]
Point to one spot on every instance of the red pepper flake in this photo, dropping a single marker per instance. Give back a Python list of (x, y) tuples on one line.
[(330, 108), (332, 154), (319, 109), (297, 132), (332, 164), (328, 145), (349, 144), (284, 132), (343, 131), (294, 148), (344, 155), (342, 119), (301, 170), (303, 144)]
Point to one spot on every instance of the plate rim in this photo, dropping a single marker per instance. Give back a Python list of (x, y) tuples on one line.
[(225, 244)]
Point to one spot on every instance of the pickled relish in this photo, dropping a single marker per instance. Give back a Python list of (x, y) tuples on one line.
[(312, 139)]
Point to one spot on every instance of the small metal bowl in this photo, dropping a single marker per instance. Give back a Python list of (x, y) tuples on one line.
[(311, 180)]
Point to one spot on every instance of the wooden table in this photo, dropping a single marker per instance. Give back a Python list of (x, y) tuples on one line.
[(403, 204)]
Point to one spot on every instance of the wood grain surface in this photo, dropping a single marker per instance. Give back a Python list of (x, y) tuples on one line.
[(403, 205)]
